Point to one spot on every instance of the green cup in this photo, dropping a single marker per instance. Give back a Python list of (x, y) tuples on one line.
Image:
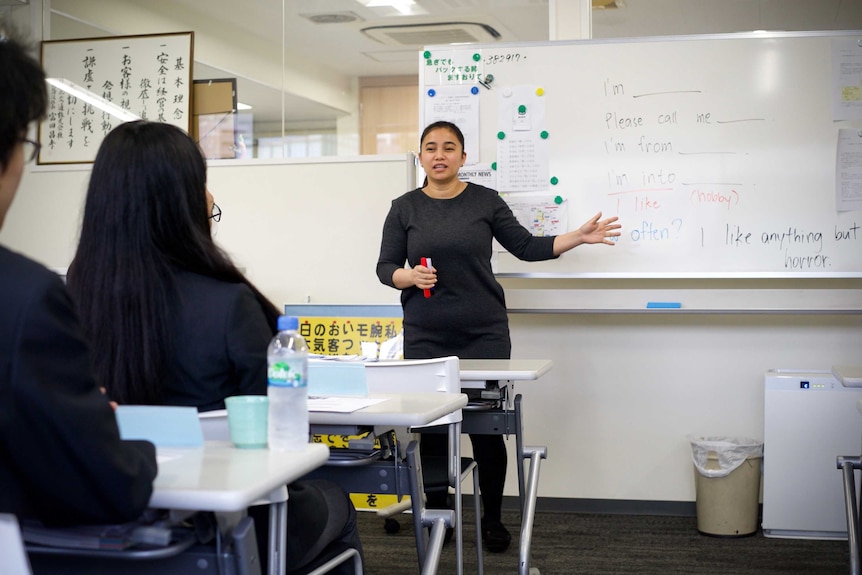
[(246, 419)]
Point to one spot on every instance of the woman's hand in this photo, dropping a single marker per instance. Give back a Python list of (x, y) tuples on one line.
[(424, 277), (419, 276), (596, 231)]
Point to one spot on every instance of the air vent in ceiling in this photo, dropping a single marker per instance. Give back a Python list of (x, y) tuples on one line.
[(431, 34), (332, 17)]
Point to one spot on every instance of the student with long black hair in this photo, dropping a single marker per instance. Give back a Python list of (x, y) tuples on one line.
[(171, 319)]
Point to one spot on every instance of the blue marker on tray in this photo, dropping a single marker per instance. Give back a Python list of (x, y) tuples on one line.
[(663, 305)]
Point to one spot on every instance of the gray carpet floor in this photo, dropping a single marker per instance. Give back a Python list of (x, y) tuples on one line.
[(597, 544)]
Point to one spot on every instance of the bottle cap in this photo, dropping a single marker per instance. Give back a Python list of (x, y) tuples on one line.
[(288, 323)]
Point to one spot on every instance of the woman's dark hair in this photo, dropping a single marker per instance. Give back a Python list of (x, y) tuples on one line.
[(145, 218), (23, 98), (442, 124)]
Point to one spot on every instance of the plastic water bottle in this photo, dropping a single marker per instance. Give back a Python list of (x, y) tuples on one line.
[(287, 388)]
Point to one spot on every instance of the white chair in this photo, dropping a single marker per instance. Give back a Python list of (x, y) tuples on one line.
[(13, 557), (435, 375)]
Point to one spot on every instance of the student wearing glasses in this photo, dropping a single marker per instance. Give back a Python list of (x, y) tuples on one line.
[(173, 321), (61, 457)]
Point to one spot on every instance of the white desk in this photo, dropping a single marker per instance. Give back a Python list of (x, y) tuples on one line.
[(475, 372), (220, 477), (398, 410), (502, 373)]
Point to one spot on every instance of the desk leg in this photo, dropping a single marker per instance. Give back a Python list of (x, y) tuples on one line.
[(417, 497), (519, 450), (499, 422), (535, 455), (455, 480), (276, 500), (278, 537)]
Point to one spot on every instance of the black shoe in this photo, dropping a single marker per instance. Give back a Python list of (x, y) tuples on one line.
[(496, 536)]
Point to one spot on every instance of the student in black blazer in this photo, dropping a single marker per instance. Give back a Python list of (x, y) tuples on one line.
[(172, 319), (61, 457)]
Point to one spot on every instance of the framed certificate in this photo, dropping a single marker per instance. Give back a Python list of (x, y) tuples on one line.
[(95, 84)]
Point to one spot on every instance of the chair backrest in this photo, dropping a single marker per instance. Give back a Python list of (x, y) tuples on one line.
[(13, 558), (440, 374)]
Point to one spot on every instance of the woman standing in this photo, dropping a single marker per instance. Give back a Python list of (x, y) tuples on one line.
[(453, 224)]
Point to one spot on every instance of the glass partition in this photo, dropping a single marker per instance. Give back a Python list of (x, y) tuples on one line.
[(264, 117)]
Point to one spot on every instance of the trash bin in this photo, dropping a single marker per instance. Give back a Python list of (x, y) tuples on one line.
[(727, 484)]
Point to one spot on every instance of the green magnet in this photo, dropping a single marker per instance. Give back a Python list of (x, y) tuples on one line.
[(426, 54), (477, 57), (522, 109), (554, 181), (544, 135), (558, 200), (494, 166), (501, 135)]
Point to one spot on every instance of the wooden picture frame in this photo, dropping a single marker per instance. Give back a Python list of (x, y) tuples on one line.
[(214, 126), (95, 84)]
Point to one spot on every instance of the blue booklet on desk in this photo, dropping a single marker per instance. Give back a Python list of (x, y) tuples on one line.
[(162, 425), (327, 377)]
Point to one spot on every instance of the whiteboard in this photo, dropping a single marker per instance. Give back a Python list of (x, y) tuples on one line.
[(718, 153)]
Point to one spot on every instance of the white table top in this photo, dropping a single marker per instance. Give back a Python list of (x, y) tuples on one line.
[(402, 410), (220, 477), (503, 369)]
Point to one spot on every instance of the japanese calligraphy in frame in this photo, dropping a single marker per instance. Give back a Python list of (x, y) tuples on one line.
[(95, 84)]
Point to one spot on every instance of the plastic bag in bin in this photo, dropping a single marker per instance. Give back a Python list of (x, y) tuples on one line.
[(730, 451)]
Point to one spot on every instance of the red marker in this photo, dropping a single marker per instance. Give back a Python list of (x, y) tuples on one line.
[(427, 263)]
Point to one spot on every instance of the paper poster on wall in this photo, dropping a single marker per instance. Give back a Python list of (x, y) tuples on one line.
[(451, 67), (542, 214), (848, 171), (481, 174), (846, 79), (459, 105), (522, 140)]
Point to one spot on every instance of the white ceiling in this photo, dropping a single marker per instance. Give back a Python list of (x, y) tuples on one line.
[(344, 48), (347, 49)]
